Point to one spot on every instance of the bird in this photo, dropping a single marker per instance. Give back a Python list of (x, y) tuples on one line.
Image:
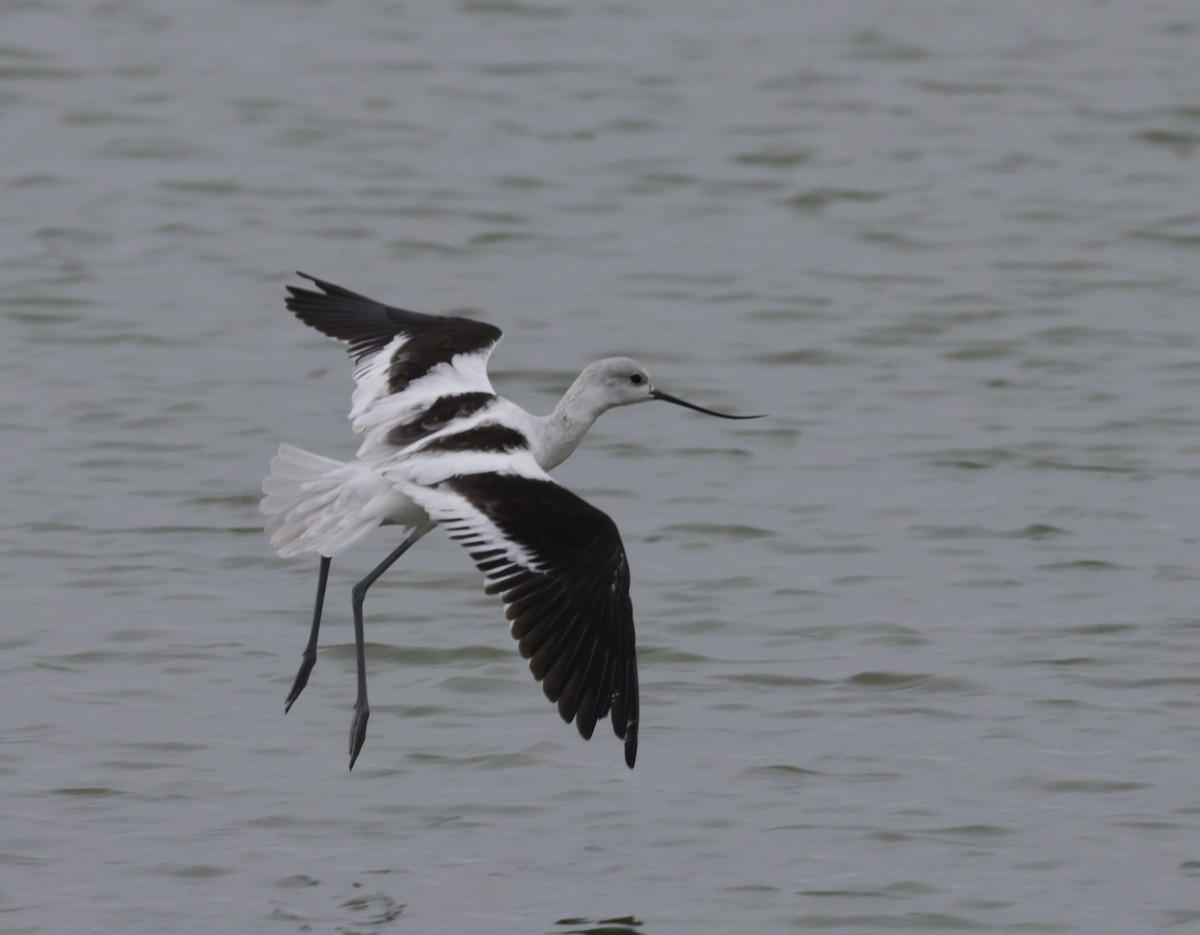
[(440, 448)]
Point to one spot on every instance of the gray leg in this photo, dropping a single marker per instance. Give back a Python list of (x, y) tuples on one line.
[(362, 711), (310, 651)]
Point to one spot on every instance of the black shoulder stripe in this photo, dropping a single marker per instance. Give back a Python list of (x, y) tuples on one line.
[(488, 437), (437, 416)]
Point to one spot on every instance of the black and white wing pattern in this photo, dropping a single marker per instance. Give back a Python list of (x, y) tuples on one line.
[(414, 373), (558, 564)]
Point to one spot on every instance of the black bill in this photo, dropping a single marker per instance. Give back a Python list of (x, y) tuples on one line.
[(668, 398)]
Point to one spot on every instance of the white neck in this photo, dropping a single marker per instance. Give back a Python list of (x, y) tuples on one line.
[(562, 431)]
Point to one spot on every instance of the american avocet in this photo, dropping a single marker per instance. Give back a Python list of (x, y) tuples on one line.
[(440, 447)]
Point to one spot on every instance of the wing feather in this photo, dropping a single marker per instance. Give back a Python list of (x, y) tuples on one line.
[(559, 566), (414, 373)]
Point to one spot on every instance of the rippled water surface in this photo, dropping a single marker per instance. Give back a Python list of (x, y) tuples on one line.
[(918, 652)]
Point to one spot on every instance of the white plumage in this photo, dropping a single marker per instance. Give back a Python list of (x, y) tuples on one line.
[(440, 447)]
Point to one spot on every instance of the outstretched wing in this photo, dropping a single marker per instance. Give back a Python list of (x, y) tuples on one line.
[(413, 373), (558, 564)]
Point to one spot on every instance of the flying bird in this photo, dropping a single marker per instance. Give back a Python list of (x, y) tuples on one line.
[(439, 447)]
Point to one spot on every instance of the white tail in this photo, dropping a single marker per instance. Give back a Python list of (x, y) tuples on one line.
[(317, 504)]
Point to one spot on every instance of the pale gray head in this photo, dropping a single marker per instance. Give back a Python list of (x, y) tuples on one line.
[(614, 381), (620, 381)]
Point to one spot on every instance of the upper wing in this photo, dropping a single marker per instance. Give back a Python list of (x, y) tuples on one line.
[(559, 566), (405, 363)]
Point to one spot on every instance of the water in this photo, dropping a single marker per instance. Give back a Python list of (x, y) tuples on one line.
[(918, 652)]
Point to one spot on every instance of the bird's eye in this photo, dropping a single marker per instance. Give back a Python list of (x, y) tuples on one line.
[(635, 378)]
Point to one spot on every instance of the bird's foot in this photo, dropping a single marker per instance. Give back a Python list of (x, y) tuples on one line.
[(358, 729), (300, 681)]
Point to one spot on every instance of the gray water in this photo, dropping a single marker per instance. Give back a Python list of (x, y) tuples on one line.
[(918, 652)]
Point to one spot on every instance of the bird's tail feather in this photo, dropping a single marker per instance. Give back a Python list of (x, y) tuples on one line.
[(317, 504)]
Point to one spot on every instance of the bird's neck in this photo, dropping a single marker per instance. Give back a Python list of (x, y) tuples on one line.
[(563, 430)]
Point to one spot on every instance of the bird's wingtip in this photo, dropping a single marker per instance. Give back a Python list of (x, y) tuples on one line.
[(631, 739)]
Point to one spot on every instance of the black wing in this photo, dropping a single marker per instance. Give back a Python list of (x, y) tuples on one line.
[(558, 564), (368, 327)]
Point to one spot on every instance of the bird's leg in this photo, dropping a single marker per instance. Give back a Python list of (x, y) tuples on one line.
[(362, 711), (310, 651)]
